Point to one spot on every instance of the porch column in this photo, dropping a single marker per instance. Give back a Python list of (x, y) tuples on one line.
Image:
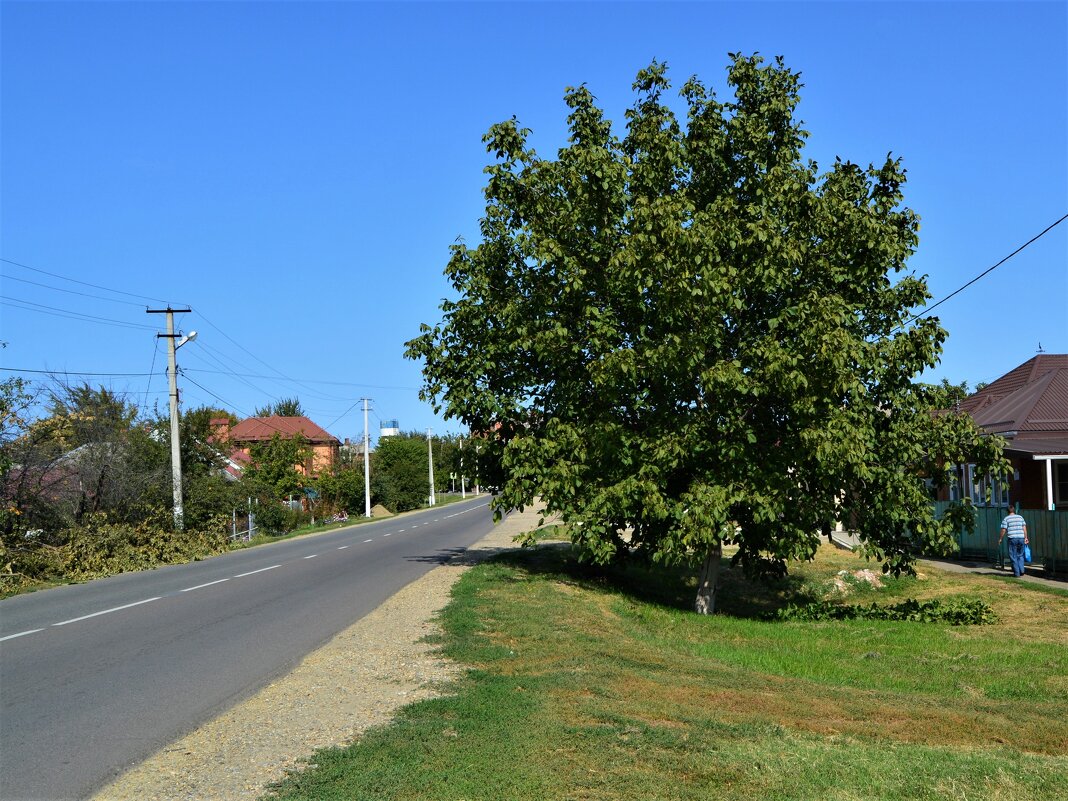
[(1049, 484)]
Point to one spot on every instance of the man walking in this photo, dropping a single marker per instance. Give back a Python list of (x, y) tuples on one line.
[(1016, 528)]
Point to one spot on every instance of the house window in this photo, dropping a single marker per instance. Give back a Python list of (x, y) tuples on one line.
[(981, 490), (1060, 484)]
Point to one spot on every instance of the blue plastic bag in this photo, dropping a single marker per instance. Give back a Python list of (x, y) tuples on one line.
[(1027, 554)]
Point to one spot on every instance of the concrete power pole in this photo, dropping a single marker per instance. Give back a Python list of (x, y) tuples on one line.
[(430, 457), (172, 374), (366, 463)]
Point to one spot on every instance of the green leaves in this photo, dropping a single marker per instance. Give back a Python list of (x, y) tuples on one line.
[(688, 336)]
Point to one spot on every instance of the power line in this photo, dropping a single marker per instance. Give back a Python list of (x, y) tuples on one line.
[(72, 291), (152, 369), (83, 283), (332, 422), (74, 372), (265, 421), (234, 341), (55, 311), (308, 380), (985, 272), (206, 351), (269, 366)]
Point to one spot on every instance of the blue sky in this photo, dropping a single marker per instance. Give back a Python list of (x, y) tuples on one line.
[(295, 172)]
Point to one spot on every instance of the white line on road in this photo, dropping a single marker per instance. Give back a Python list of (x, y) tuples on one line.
[(20, 634), (312, 556), (342, 547), (401, 530), (367, 540), (199, 586), (249, 573), (108, 611)]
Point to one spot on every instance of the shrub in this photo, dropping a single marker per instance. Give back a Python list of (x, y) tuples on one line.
[(955, 611)]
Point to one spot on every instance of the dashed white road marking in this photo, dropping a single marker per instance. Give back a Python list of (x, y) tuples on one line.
[(190, 589), (20, 634), (251, 572), (108, 611), (212, 583)]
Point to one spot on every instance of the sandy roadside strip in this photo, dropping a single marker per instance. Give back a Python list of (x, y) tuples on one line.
[(356, 681)]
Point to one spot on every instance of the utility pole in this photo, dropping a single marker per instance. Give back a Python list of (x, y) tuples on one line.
[(366, 463), (463, 479), (172, 373), (430, 457)]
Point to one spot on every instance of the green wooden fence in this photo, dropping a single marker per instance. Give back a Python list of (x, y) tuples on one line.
[(1047, 531)]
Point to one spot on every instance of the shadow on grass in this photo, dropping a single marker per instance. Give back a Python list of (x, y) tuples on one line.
[(671, 587)]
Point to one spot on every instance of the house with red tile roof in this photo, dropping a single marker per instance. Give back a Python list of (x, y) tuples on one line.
[(1028, 406), (324, 446)]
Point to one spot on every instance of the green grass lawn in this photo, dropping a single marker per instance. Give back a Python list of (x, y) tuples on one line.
[(592, 685)]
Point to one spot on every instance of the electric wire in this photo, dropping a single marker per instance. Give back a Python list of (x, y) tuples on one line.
[(334, 421), (315, 381), (269, 366), (73, 291), (74, 372), (83, 283), (151, 370), (930, 308), (205, 351), (55, 311), (265, 421)]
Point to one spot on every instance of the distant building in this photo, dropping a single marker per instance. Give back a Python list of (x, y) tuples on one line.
[(389, 428), (324, 446), (1028, 406)]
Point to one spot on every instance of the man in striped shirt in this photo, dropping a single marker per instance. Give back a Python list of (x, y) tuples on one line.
[(1015, 528)]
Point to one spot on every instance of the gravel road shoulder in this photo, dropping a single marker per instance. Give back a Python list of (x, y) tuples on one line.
[(356, 681)]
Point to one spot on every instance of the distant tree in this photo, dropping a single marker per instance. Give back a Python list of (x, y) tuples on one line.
[(273, 469), (400, 472), (286, 407), (691, 336), (201, 450), (15, 401), (944, 395), (82, 415), (88, 456), (342, 489)]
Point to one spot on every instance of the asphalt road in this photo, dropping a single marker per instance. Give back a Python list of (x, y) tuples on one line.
[(95, 677)]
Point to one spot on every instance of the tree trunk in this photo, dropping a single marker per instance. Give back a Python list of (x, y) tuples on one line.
[(708, 581)]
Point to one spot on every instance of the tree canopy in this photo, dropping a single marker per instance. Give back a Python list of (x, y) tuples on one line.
[(285, 407), (689, 337)]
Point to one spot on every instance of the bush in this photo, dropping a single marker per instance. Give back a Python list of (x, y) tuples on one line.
[(955, 611), (101, 548)]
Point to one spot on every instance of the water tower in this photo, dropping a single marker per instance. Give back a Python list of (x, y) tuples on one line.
[(389, 428)]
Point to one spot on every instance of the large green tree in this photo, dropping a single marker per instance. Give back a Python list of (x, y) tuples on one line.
[(400, 472), (688, 337), (273, 469)]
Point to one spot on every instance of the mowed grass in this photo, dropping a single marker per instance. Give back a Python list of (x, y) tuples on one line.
[(592, 685)]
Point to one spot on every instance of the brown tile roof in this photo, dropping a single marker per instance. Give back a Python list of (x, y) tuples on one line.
[(259, 429), (1031, 399)]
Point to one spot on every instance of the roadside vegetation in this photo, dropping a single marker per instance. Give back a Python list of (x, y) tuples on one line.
[(587, 683), (85, 485)]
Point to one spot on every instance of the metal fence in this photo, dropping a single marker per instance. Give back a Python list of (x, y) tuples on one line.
[(1047, 532)]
